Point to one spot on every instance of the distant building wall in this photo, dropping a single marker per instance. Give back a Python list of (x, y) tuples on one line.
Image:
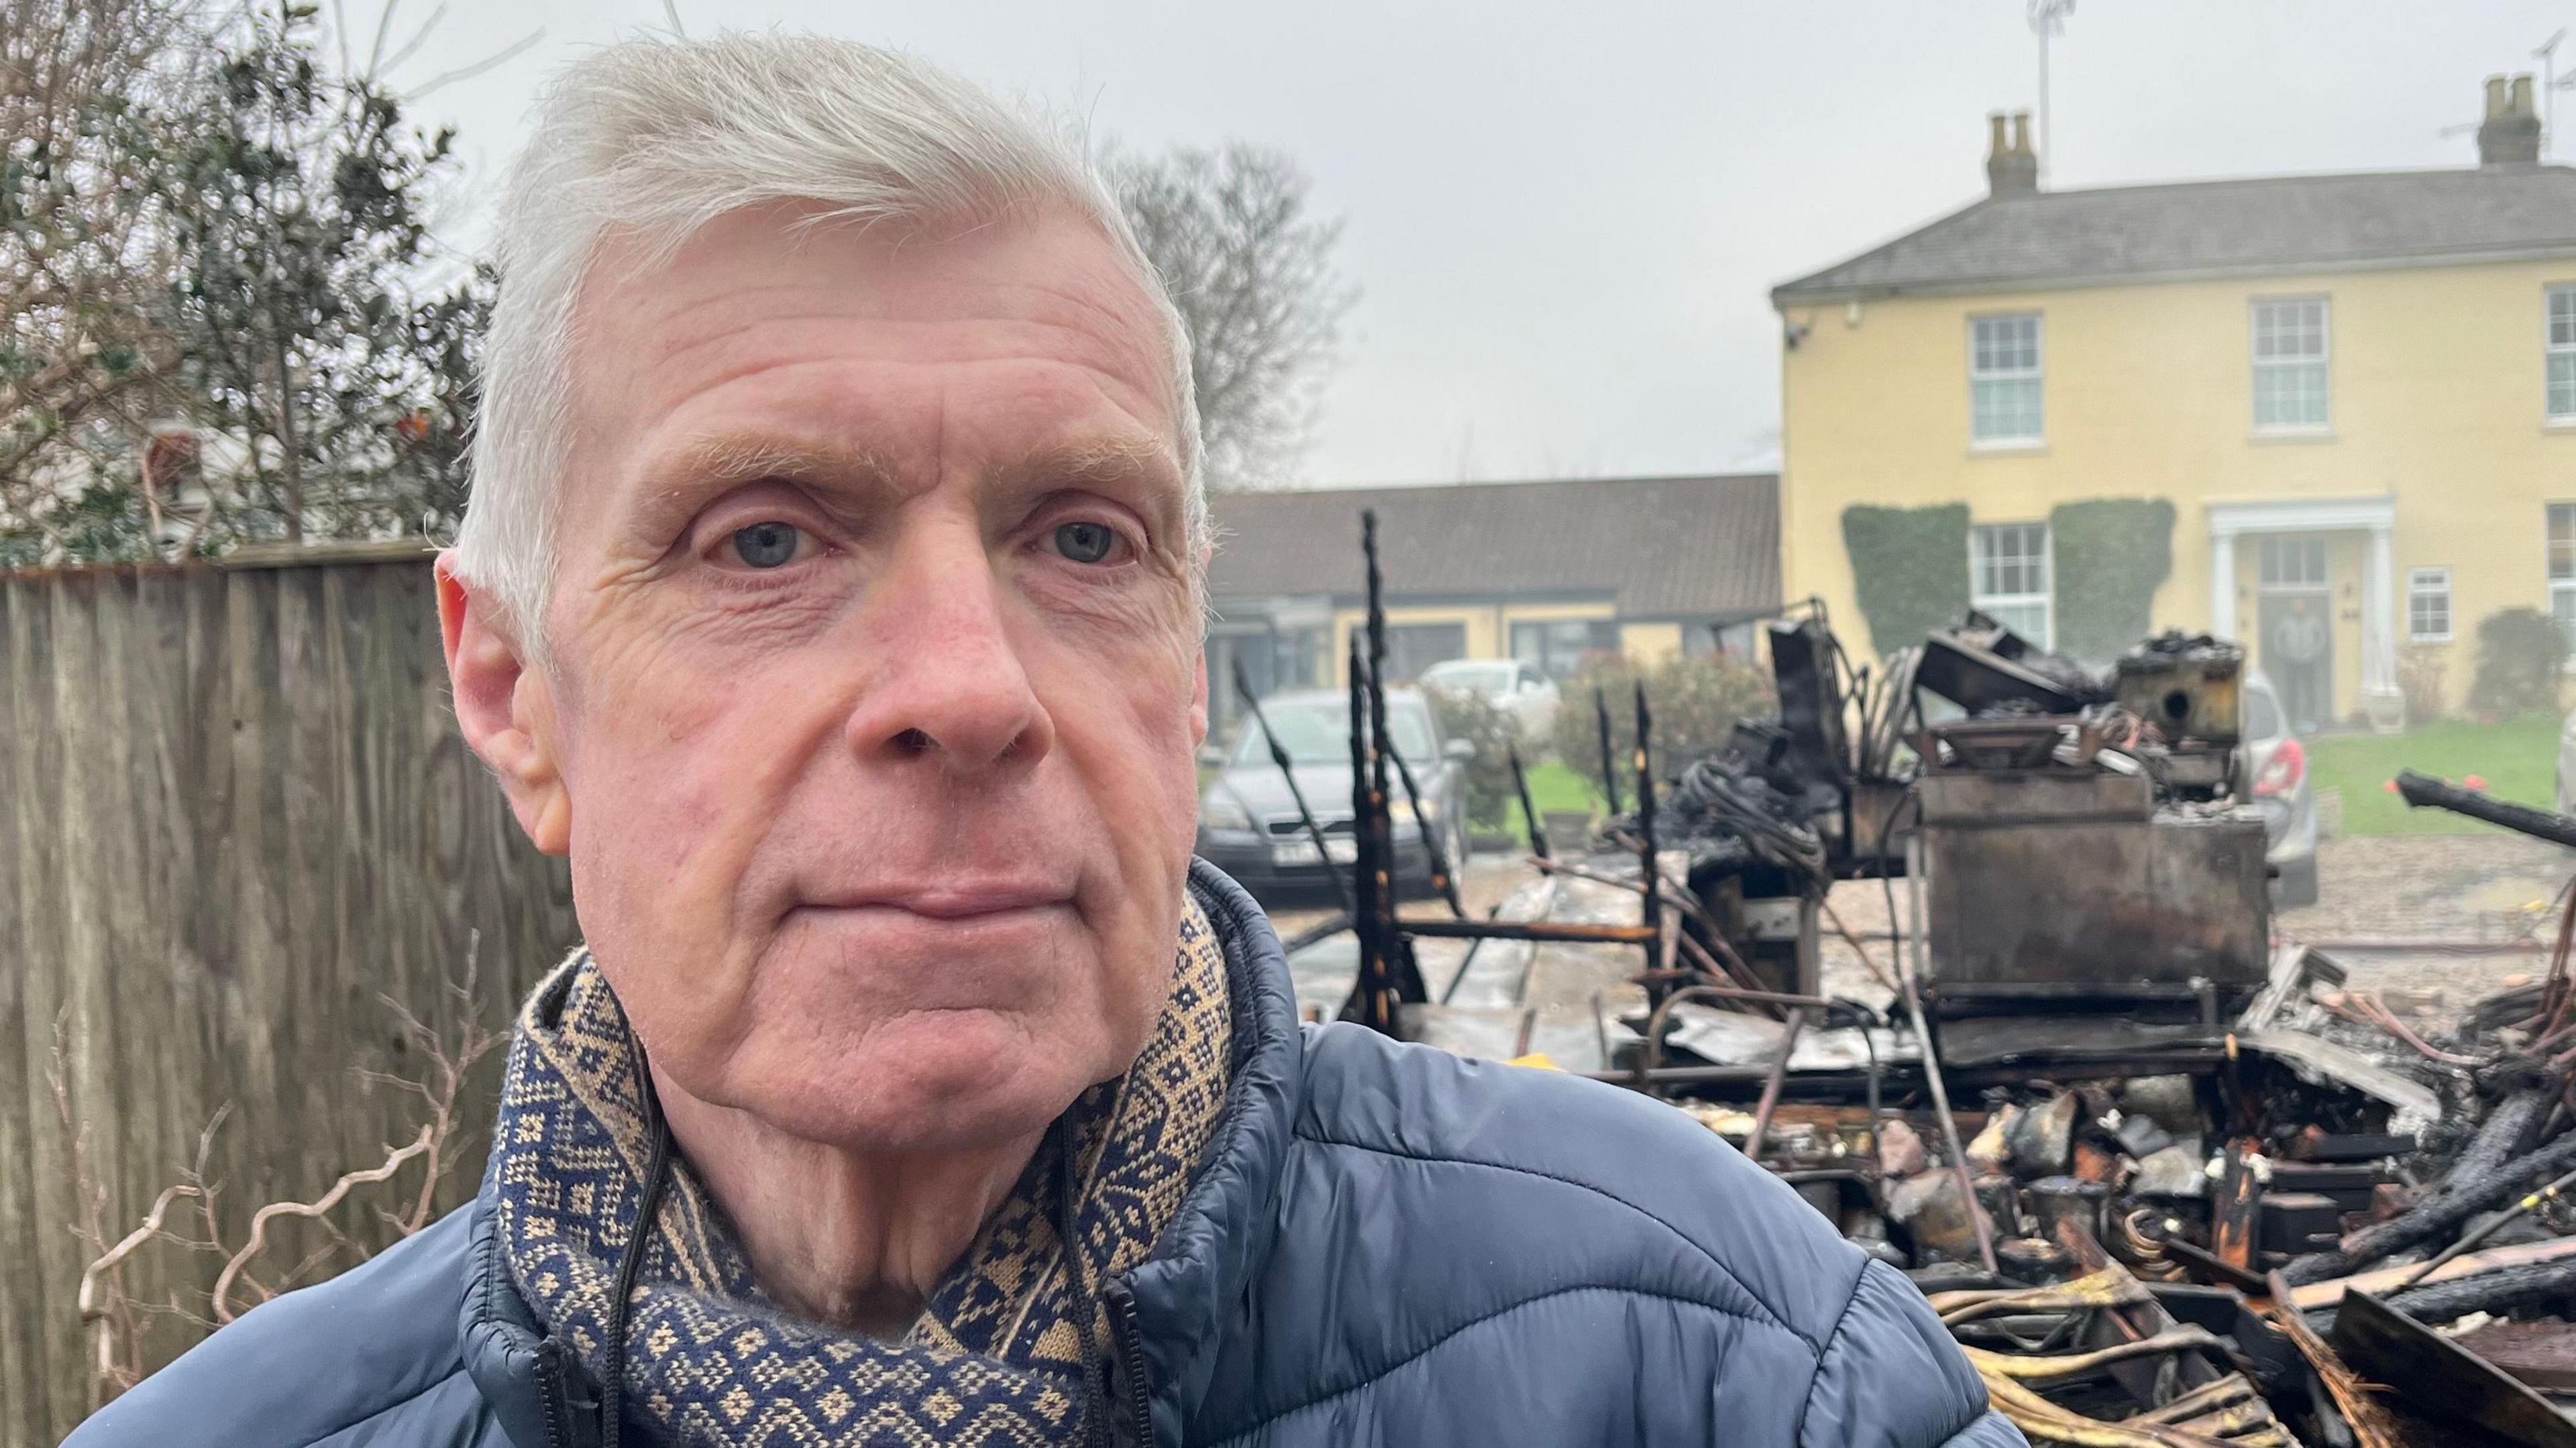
[(2437, 397)]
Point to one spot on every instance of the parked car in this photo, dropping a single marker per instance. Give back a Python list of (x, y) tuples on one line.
[(1248, 822), (2276, 768), (2567, 766), (1529, 696)]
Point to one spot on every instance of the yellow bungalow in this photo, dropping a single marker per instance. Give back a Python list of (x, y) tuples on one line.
[(2332, 415), (1544, 572)]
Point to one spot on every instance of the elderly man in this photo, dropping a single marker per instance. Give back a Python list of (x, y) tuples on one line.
[(830, 596)]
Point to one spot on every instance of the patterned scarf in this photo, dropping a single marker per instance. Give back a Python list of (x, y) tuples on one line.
[(999, 1355)]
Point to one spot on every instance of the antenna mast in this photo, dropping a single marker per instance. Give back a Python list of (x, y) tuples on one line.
[(2047, 19)]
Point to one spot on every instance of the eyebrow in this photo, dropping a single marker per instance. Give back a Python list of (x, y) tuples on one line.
[(725, 459), (1120, 462)]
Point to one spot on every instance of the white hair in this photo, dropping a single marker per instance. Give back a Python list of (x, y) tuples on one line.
[(654, 139)]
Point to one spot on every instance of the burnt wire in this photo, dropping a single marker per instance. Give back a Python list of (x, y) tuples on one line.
[(1720, 797)]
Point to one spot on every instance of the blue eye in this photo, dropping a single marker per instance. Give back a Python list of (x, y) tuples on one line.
[(1085, 542), (766, 545)]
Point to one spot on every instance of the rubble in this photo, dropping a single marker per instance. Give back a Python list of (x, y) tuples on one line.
[(2171, 1181), (2227, 1196)]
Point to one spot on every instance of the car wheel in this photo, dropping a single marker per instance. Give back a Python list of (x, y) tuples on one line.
[(2298, 885)]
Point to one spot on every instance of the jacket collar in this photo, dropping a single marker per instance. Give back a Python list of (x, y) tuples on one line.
[(1183, 1298), (1170, 1311)]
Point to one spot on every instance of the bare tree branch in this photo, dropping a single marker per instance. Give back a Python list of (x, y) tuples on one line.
[(1250, 268), (116, 1320)]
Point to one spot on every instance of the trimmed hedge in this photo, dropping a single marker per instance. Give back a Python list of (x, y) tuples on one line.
[(2110, 557), (2521, 655), (1909, 569)]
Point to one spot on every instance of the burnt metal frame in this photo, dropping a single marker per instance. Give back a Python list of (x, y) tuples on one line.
[(1388, 977)]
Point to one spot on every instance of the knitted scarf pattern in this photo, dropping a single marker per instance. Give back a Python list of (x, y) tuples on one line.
[(1000, 1352)]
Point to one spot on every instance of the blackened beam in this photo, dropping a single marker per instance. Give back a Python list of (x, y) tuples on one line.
[(1288, 772), (2422, 790), (1609, 757), (1555, 932), (1652, 912), (1529, 811), (1441, 880)]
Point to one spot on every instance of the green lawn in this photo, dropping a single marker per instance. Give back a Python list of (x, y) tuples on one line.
[(1553, 788), (2518, 759)]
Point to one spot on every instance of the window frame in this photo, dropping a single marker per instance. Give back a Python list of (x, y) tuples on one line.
[(2036, 374), (2426, 583), (2045, 598), (2276, 548), (2323, 362), (1601, 637), (2553, 351)]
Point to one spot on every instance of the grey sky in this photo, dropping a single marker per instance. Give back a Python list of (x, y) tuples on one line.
[(1564, 219)]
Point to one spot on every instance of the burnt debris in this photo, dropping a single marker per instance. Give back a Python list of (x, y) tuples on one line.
[(2172, 1181)]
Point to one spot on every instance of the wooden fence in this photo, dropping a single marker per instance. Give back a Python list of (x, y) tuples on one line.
[(235, 816)]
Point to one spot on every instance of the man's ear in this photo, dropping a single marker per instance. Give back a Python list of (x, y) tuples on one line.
[(1199, 700), (505, 708)]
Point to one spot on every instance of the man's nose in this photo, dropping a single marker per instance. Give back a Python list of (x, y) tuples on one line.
[(952, 687)]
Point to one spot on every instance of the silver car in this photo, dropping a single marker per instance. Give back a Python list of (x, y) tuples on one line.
[(1529, 696), (2275, 768), (2567, 766)]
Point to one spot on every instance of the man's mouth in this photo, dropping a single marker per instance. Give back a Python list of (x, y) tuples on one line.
[(962, 901)]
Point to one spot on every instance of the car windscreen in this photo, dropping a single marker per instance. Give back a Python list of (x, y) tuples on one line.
[(1320, 733)]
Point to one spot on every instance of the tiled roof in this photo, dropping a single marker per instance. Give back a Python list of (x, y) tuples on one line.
[(1688, 546), (2060, 238)]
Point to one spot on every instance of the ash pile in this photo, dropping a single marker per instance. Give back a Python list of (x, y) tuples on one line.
[(2171, 1180)]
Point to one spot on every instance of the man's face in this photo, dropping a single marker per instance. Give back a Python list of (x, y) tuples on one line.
[(875, 682)]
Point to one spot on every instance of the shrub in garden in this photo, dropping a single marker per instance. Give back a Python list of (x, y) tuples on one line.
[(1695, 702), (1466, 714), (2420, 672), (2521, 655)]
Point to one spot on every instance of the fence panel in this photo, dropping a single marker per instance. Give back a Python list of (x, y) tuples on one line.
[(235, 816)]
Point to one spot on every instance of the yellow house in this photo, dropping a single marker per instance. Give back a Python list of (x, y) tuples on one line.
[(2332, 416), (1547, 573)]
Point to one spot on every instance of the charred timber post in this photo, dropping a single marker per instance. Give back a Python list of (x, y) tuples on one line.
[(2458, 1200), (2423, 790), (1403, 979), (1368, 1003), (2461, 1194), (1649, 874), (2494, 1224), (2501, 1291), (1288, 772), (1441, 879), (1529, 812), (1609, 757)]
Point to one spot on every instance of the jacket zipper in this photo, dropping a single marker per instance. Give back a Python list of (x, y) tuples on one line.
[(1128, 1343), (550, 1391)]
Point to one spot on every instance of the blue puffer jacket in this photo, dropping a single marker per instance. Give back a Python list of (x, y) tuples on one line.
[(1389, 1245)]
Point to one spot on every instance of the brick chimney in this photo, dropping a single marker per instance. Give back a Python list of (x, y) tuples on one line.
[(2510, 134), (2012, 167)]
